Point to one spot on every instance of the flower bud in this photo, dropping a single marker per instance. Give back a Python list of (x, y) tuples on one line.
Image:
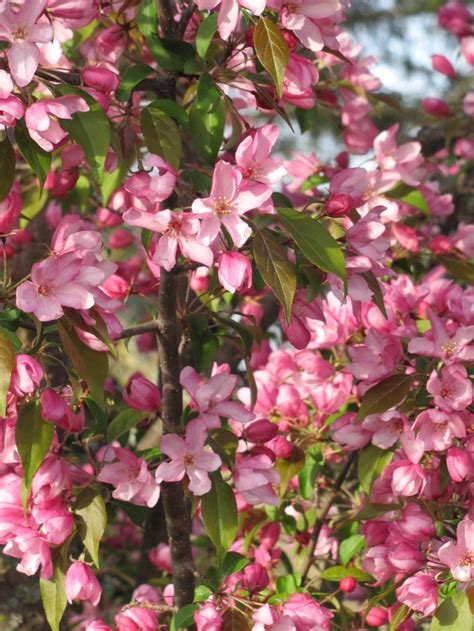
[(10, 209), (347, 584), (260, 431), (234, 271), (120, 239), (458, 462), (339, 205), (255, 578), (101, 79), (81, 584), (142, 394), (376, 617), (440, 245), (436, 107), (441, 64)]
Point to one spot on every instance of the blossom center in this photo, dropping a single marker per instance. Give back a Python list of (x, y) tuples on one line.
[(188, 460), (292, 7), (45, 289), (449, 348), (467, 559), (222, 206), (445, 392), (20, 32), (174, 228)]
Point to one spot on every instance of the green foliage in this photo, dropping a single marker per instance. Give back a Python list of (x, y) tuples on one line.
[(7, 168), (90, 507), (123, 423), (38, 159), (272, 50), (161, 135), (385, 395), (219, 514), (372, 461), (7, 364)]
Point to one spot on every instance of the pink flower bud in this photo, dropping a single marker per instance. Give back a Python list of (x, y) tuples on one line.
[(467, 49), (82, 584), (342, 160), (436, 107), (116, 287), (455, 18), (339, 205), (108, 219), (54, 408), (234, 271), (260, 431), (160, 556), (101, 79), (200, 280), (120, 239), (458, 462), (255, 578), (347, 584), (97, 625), (142, 394), (63, 182), (21, 236), (440, 245), (441, 64), (208, 618), (281, 447), (10, 209), (26, 376), (376, 617), (269, 535), (255, 310)]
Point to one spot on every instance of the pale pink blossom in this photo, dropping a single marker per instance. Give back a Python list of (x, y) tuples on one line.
[(149, 189), (420, 593), (254, 479), (11, 110), (437, 429), (453, 391), (188, 457), (229, 12), (300, 77), (24, 32), (460, 557), (207, 618), (226, 203), (212, 399), (234, 271), (396, 162), (81, 584), (252, 156), (131, 478), (41, 119), (439, 343), (26, 375), (180, 235)]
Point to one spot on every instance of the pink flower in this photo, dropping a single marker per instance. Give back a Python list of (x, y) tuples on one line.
[(307, 19), (149, 189), (459, 463), (97, 625), (234, 271), (255, 578), (408, 479), (11, 110), (160, 556), (208, 618), (188, 457), (81, 584), (212, 399), (300, 77), (76, 13), (142, 394), (41, 119), (253, 159), (23, 32), (57, 283), (441, 64), (460, 557), (254, 478), (130, 475), (10, 209), (180, 234), (54, 409), (453, 391), (306, 614), (227, 202), (136, 619), (396, 163), (438, 343), (229, 12)]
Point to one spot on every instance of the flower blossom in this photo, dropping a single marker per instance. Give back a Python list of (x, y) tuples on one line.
[(460, 557)]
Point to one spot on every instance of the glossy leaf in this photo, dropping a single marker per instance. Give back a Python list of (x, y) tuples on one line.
[(7, 168), (372, 461), (350, 547), (90, 507), (314, 241), (90, 365), (460, 269), (123, 423), (38, 159), (272, 50), (205, 33), (204, 343), (131, 78), (338, 572), (172, 55), (219, 514), (161, 135), (289, 467), (33, 437), (276, 270), (385, 395), (233, 562), (53, 596), (307, 475), (7, 364), (453, 615), (208, 125)]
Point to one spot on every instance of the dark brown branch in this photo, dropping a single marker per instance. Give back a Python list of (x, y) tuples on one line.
[(178, 521), (166, 18), (324, 513)]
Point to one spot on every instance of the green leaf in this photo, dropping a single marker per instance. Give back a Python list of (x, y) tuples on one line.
[(33, 437), (173, 109), (385, 395), (123, 422), (147, 18), (244, 332), (207, 126), (276, 270), (312, 181), (91, 130), (7, 365), (337, 572), (90, 365), (460, 269), (376, 290), (411, 196), (53, 596), (131, 78), (369, 511), (38, 159), (372, 461), (205, 33), (161, 135), (90, 507), (172, 55), (100, 417), (272, 50), (207, 93), (11, 337), (7, 168), (307, 475), (201, 593), (224, 443), (219, 514), (184, 618), (289, 467), (453, 615), (350, 547), (399, 617), (204, 343), (288, 584), (314, 241), (233, 562)]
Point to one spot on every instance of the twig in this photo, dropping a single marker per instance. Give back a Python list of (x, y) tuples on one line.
[(324, 513)]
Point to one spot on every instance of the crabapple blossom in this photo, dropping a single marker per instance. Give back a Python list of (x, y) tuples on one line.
[(81, 584), (254, 478), (41, 119), (459, 557)]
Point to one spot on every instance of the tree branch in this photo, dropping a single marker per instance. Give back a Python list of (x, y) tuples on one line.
[(324, 513)]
